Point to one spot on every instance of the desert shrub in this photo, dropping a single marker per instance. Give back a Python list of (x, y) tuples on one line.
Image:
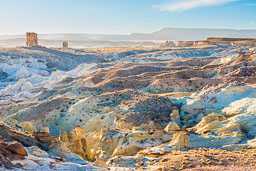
[(28, 127)]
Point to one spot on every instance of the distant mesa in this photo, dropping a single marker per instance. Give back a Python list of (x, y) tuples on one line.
[(31, 39), (229, 39), (222, 41)]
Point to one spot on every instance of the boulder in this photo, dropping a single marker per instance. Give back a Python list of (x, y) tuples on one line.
[(17, 148), (127, 150)]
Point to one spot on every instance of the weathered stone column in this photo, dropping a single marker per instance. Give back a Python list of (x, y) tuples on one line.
[(32, 39), (180, 140), (65, 45)]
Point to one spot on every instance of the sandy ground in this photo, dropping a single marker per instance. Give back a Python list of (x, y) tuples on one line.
[(206, 159)]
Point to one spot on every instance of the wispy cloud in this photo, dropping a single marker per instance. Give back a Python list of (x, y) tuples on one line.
[(250, 4), (252, 23), (183, 5)]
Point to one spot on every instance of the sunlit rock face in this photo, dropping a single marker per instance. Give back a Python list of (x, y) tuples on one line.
[(74, 143), (231, 111), (19, 150)]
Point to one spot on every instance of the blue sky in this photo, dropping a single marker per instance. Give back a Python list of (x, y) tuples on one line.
[(123, 16)]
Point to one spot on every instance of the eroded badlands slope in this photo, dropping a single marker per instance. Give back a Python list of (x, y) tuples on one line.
[(130, 107)]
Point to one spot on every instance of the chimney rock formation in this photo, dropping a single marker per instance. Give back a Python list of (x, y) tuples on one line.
[(32, 39), (65, 45)]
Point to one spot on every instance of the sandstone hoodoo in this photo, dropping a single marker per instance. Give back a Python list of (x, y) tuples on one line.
[(65, 45), (31, 39), (180, 140)]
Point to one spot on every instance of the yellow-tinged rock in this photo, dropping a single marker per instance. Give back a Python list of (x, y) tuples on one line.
[(172, 127), (201, 129), (229, 128), (126, 150), (100, 163), (175, 115), (64, 136), (208, 123), (80, 132), (237, 134), (72, 136), (180, 140), (92, 154), (74, 143), (45, 129), (239, 88)]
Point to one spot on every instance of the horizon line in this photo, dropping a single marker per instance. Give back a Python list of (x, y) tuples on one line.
[(127, 34)]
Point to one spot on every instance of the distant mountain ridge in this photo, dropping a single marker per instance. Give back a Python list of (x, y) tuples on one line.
[(164, 34), (197, 34), (191, 34)]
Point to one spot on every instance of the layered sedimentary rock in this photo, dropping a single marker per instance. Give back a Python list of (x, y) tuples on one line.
[(219, 41), (22, 151), (11, 134), (130, 114), (76, 144), (44, 136)]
